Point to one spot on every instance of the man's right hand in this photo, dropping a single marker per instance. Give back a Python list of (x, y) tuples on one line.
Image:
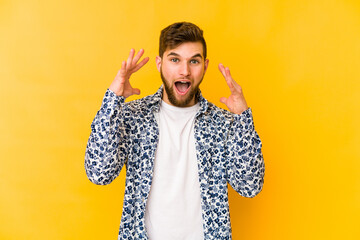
[(121, 85)]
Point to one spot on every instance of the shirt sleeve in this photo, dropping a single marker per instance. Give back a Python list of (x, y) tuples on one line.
[(245, 168), (106, 150)]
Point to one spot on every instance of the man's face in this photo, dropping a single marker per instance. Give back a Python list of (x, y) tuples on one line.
[(182, 70)]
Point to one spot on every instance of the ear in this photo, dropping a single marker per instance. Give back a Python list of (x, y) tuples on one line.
[(158, 63), (206, 64)]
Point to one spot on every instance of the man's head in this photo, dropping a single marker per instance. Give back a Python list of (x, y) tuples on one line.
[(182, 63), (178, 33)]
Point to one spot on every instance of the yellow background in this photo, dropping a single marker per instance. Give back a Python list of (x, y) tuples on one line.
[(297, 61)]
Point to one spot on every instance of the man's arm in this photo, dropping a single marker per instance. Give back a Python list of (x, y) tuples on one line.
[(245, 164), (107, 147), (106, 150)]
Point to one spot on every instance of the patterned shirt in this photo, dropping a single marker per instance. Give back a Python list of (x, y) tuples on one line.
[(228, 151)]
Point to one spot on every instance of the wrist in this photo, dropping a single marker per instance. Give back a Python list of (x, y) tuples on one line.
[(116, 90)]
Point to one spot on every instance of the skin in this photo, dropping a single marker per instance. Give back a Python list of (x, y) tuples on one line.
[(185, 63)]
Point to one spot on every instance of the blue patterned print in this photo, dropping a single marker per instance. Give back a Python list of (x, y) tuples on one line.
[(228, 151)]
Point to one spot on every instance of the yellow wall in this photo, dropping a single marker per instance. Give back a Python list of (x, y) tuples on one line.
[(299, 65)]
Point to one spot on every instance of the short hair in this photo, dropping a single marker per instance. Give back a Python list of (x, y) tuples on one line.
[(178, 33)]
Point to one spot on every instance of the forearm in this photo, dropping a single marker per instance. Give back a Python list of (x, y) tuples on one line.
[(246, 166), (106, 149)]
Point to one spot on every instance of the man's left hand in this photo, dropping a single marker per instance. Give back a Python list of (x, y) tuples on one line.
[(236, 101)]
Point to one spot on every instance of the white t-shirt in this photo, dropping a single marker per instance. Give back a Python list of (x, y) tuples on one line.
[(173, 209)]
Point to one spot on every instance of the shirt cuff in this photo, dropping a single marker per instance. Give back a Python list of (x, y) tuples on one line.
[(244, 121), (111, 100)]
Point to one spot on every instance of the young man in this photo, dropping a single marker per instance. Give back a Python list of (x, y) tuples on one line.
[(180, 150)]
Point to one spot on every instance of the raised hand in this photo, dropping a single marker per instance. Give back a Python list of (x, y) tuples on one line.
[(236, 101), (121, 85)]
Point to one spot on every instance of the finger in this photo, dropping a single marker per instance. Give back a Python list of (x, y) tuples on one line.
[(141, 64), (223, 100), (129, 60), (222, 69), (138, 56), (228, 74), (225, 72), (122, 71), (230, 85), (233, 85), (123, 66), (236, 86), (230, 81), (136, 91)]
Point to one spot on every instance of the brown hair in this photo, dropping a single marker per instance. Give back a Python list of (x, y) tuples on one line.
[(178, 33)]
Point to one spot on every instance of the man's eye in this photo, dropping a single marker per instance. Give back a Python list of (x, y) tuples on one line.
[(193, 61), (174, 60)]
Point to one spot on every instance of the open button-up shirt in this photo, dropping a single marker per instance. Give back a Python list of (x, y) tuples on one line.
[(228, 150)]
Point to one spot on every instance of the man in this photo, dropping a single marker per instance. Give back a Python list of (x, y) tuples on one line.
[(180, 150)]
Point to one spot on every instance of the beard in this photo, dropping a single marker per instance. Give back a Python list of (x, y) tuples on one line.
[(193, 93)]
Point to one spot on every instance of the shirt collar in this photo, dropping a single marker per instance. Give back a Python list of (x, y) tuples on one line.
[(155, 100)]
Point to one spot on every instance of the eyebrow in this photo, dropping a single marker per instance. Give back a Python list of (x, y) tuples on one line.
[(177, 55)]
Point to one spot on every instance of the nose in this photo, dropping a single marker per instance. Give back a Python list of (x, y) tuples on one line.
[(185, 69)]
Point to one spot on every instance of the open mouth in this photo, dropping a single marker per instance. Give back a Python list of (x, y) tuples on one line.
[(182, 86)]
